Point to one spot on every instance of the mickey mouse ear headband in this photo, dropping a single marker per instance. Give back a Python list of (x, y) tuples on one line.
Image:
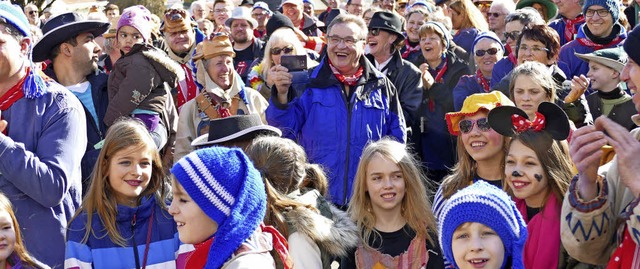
[(510, 121)]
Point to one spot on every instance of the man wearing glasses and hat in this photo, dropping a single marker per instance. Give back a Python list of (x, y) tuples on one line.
[(69, 42), (247, 47), (42, 141)]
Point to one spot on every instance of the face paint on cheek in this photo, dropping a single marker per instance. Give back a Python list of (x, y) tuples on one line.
[(517, 174), (538, 177)]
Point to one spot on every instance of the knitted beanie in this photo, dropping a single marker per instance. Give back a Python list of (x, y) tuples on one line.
[(14, 16), (631, 45), (137, 17), (489, 35), (277, 21), (484, 203), (610, 5), (226, 186)]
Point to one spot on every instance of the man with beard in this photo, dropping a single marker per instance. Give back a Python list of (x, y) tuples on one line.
[(181, 39), (247, 47), (346, 104), (69, 42)]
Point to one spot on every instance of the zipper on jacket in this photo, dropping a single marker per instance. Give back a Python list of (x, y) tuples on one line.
[(349, 106), (133, 239)]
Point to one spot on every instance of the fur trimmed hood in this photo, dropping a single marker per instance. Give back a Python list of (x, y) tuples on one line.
[(168, 69)]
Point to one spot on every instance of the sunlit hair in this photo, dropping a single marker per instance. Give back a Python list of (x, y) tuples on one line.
[(101, 198), (537, 72), (430, 28), (421, 11), (543, 34), (526, 16), (348, 18), (285, 164), (280, 36), (18, 248), (555, 163), (416, 208), (465, 169), (471, 15)]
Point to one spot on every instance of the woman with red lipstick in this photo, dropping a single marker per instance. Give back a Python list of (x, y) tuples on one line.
[(13, 253), (538, 175), (123, 221), (392, 211)]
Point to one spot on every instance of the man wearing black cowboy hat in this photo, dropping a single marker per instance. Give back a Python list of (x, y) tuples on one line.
[(69, 42), (384, 39)]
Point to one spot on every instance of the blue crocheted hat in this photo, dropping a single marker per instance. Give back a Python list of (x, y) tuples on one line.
[(226, 186), (484, 203), (610, 5), (489, 35)]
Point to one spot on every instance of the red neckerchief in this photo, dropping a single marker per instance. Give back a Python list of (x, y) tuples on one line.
[(198, 258), (10, 97), (280, 245), (191, 91), (482, 81), (409, 49), (438, 79), (510, 55), (586, 42), (571, 26), (350, 80)]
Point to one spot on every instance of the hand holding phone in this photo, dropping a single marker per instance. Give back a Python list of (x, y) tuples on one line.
[(294, 62)]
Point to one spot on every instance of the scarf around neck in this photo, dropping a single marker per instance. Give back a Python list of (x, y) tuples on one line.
[(542, 249)]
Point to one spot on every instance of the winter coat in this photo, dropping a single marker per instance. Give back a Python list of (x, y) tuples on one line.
[(40, 171), (437, 145), (467, 85), (620, 113), (133, 223), (334, 130), (465, 37), (138, 82), (95, 131), (406, 77), (559, 25), (576, 66)]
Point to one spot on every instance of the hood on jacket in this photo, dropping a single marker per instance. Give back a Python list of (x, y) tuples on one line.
[(168, 69)]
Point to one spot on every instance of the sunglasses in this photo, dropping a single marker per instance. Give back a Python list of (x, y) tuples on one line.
[(467, 125), (374, 32), (483, 5), (286, 50), (33, 12), (494, 14), (513, 35), (491, 51)]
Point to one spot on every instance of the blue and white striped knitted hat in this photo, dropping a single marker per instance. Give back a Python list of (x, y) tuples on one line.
[(227, 187), (484, 203)]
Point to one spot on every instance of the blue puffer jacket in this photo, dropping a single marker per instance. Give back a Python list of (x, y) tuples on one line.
[(334, 131), (574, 65)]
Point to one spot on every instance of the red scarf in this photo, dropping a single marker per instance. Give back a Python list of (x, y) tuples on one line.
[(627, 255), (482, 81), (511, 55), (280, 245), (409, 49), (438, 79), (198, 258), (542, 248), (571, 26), (10, 97), (350, 80), (588, 43), (191, 90)]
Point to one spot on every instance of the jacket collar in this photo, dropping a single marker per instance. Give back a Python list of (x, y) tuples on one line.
[(319, 75), (143, 211)]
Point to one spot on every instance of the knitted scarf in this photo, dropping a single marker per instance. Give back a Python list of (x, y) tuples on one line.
[(348, 80), (542, 248)]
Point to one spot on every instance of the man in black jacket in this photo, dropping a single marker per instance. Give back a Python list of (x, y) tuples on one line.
[(247, 47)]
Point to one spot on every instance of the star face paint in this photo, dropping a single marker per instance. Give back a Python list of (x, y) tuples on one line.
[(525, 175)]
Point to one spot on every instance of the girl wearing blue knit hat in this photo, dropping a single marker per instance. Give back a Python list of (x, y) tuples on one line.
[(481, 228), (219, 202)]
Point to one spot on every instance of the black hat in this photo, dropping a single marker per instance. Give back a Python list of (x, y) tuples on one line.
[(387, 21), (64, 27), (238, 127), (246, 2), (632, 43), (277, 21), (335, 12), (510, 121)]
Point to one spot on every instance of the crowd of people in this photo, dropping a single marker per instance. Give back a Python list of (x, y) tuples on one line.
[(384, 134)]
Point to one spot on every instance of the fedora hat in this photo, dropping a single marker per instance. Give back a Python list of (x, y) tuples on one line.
[(387, 21), (241, 13), (238, 127), (64, 27)]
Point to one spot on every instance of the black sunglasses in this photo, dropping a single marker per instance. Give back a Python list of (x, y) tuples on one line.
[(494, 14), (33, 12), (491, 51), (513, 35), (467, 125), (374, 32), (277, 51)]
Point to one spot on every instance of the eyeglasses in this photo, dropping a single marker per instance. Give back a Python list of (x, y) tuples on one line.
[(286, 50), (467, 125), (33, 12), (494, 14), (258, 14), (374, 32), (534, 49), (513, 35), (601, 13), (221, 10), (491, 51), (349, 41)]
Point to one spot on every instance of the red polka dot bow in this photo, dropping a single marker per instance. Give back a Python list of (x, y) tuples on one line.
[(521, 124)]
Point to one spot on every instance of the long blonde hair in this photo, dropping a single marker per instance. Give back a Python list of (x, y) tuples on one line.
[(416, 208), (18, 247), (472, 16), (282, 35), (101, 198)]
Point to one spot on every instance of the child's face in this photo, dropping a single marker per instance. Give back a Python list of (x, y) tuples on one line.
[(7, 235), (194, 226), (127, 37), (482, 145), (475, 245), (525, 175), (129, 173), (385, 184), (528, 94)]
